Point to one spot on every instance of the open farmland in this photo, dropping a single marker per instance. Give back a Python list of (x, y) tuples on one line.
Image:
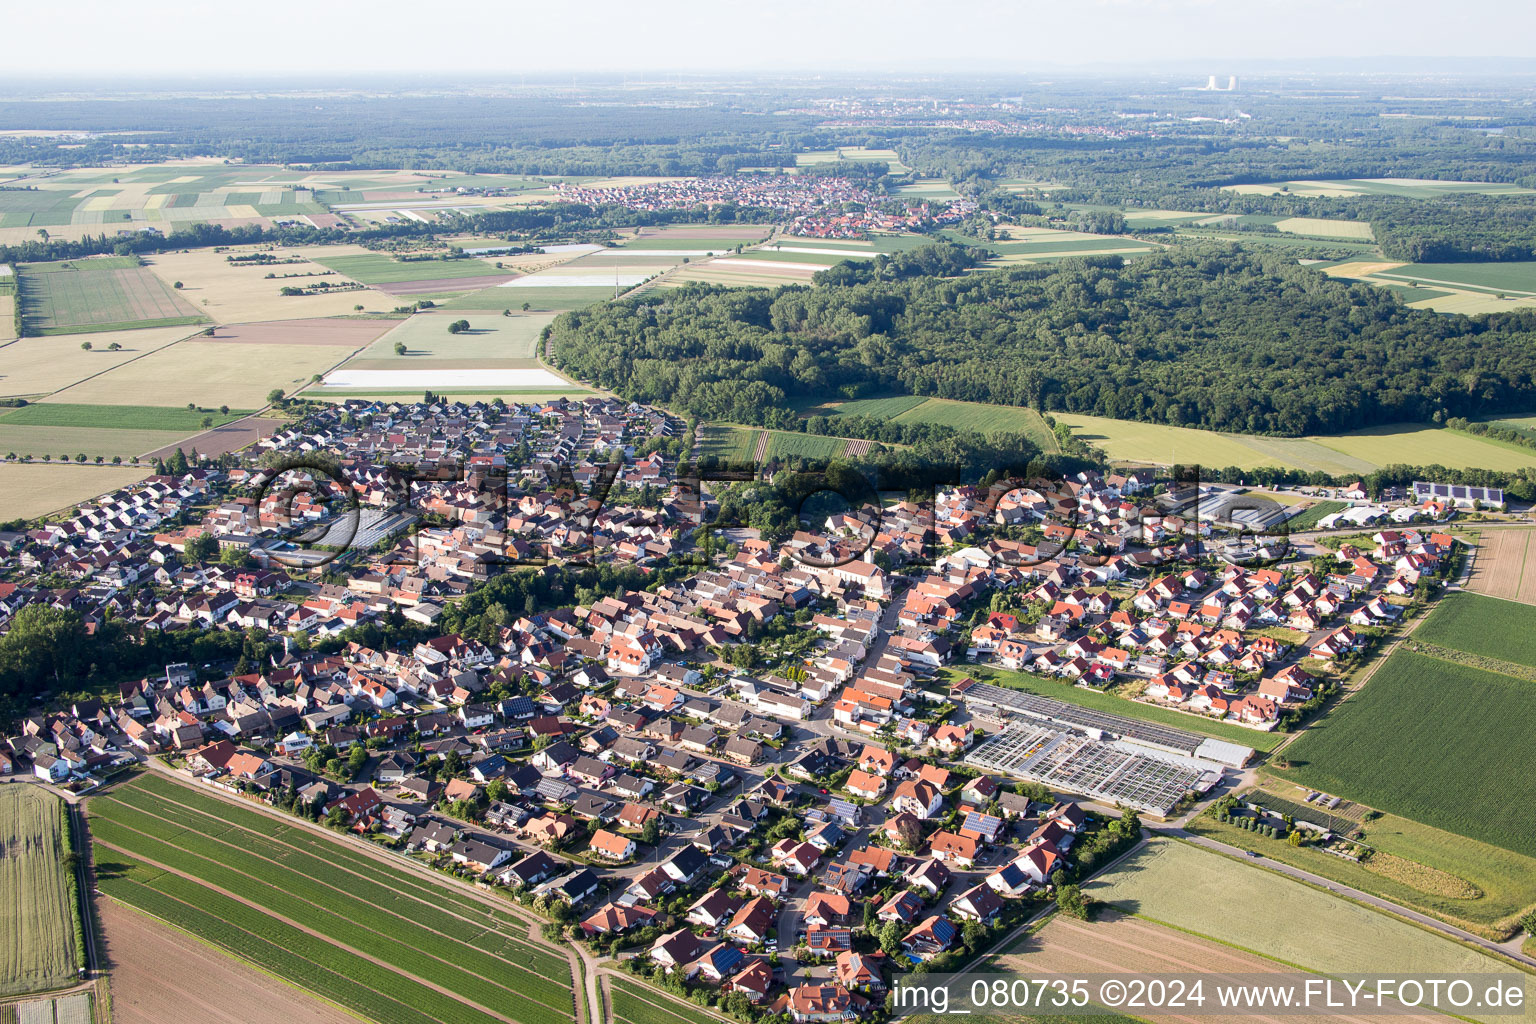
[(153, 965), (492, 340), (68, 442), (1116, 943), (40, 366), (983, 418), (1239, 904), (112, 417), (109, 294), (1321, 226), (385, 944), (1410, 188), (1336, 454), (400, 277), (1468, 288), (1504, 565), (634, 1003), (1483, 625), (241, 292), (1473, 885), (36, 489), (37, 910), (1455, 737), (732, 444), (543, 297), (209, 372)]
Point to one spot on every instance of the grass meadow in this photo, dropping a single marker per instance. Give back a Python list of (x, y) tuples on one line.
[(377, 268), (1455, 737), (369, 932), (37, 911), (1474, 885), (1246, 906), (115, 417)]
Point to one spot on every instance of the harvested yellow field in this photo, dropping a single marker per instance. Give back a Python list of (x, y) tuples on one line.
[(208, 373), (1472, 303), (1354, 229), (32, 490), (41, 366), (7, 317), (1362, 268), (232, 294)]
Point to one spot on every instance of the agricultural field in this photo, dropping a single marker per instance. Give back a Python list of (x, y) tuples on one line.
[(97, 294), (40, 366), (1476, 886), (74, 1008), (439, 378), (1336, 454), (116, 417), (1308, 518), (233, 293), (153, 965), (38, 919), (1455, 737), (7, 315), (61, 443), (1101, 701), (1356, 230), (1239, 904), (385, 944), (1483, 625), (1468, 288), (1030, 245), (37, 489), (634, 1003), (1500, 564), (212, 372), (409, 277), (929, 188), (981, 417), (542, 298), (785, 444), (173, 195), (1120, 944), (732, 444), (881, 408), (811, 158), (492, 340), (1411, 188)]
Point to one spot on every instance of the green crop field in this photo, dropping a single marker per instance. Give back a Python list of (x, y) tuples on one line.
[(1436, 861), (733, 444), (185, 854), (880, 408), (1454, 736), (635, 1004), (115, 417), (1483, 625), (783, 444), (82, 296), (983, 418), (1100, 701), (1308, 518), (1245, 905), (376, 268), (1513, 277), (37, 910)]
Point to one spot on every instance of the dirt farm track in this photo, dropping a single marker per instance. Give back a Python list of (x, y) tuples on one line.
[(1505, 565), (162, 976)]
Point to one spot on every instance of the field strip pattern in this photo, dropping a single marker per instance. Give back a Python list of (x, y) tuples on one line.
[(276, 883), (633, 1004)]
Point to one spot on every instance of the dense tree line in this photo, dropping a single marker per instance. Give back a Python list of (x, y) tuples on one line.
[(1463, 228), (1203, 336), (197, 235)]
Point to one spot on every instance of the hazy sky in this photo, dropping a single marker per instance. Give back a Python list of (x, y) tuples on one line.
[(163, 38)]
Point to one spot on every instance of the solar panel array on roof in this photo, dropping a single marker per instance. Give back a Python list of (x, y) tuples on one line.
[(1019, 702)]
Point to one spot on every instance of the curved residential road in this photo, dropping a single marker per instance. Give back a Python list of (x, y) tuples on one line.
[(1375, 902)]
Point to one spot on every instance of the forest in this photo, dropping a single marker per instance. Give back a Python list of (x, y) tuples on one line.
[(1210, 336)]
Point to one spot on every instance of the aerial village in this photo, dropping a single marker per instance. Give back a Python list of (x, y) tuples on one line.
[(901, 769)]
